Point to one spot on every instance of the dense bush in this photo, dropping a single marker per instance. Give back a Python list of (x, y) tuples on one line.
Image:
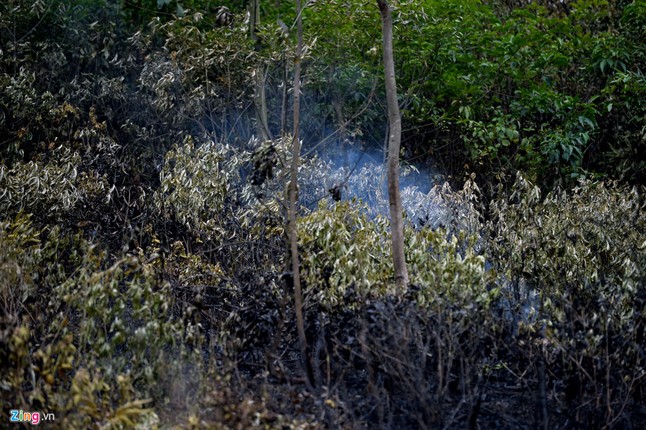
[(582, 252), (343, 248), (62, 351), (529, 89)]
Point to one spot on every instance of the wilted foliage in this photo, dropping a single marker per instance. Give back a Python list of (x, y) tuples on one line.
[(342, 249), (36, 187), (583, 252), (143, 277), (72, 344), (194, 186)]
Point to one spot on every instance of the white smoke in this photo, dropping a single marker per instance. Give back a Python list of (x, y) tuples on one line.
[(360, 173)]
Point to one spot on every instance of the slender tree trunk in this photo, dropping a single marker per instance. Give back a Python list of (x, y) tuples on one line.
[(394, 142), (283, 109), (293, 190), (261, 105), (336, 104), (260, 100)]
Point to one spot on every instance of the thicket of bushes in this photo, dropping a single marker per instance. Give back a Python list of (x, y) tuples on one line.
[(143, 279)]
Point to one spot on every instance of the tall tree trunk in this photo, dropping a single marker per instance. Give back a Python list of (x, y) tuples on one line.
[(283, 106), (293, 190), (259, 97), (394, 142), (261, 105)]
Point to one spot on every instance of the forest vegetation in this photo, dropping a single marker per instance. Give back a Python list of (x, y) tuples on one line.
[(146, 270)]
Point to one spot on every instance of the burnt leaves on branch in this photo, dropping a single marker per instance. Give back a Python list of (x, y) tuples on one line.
[(143, 259)]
